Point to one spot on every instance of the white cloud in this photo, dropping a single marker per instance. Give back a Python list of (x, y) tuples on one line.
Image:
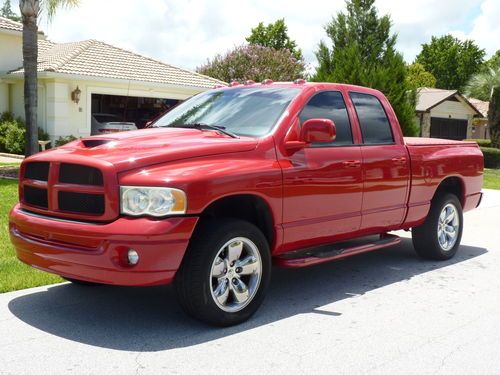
[(486, 27), (186, 33)]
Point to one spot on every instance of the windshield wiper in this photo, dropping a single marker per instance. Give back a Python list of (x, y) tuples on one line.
[(202, 126)]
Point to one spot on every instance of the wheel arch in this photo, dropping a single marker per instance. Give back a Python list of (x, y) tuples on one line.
[(249, 207), (454, 185)]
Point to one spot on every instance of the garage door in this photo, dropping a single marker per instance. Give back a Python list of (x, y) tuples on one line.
[(117, 108), (448, 128)]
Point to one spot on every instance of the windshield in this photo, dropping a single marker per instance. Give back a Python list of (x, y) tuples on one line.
[(249, 111)]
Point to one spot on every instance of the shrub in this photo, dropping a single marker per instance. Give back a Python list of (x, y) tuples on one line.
[(491, 157), (63, 140), (13, 134), (481, 142), (15, 138)]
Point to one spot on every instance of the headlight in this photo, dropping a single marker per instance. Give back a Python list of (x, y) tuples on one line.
[(153, 201)]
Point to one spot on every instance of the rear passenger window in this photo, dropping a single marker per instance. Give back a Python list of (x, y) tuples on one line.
[(375, 126), (330, 105)]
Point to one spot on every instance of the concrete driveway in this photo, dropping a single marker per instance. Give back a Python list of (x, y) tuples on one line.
[(382, 313)]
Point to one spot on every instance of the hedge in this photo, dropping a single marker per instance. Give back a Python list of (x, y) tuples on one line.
[(481, 142), (491, 157)]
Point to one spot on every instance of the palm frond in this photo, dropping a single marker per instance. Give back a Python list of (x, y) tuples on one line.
[(51, 6)]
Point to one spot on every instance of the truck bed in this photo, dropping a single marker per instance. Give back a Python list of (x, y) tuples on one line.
[(416, 141)]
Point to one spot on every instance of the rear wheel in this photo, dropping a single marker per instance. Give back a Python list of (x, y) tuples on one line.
[(439, 236), (225, 272)]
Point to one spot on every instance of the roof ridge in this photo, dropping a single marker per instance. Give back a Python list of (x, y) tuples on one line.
[(161, 62), (81, 46)]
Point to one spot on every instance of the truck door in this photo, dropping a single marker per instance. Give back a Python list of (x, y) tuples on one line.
[(322, 183), (385, 166)]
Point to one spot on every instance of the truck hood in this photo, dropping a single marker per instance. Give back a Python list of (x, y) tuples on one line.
[(140, 148)]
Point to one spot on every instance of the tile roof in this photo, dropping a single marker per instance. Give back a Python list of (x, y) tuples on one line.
[(8, 24), (99, 59), (480, 105)]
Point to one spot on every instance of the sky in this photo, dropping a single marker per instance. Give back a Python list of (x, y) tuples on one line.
[(186, 33)]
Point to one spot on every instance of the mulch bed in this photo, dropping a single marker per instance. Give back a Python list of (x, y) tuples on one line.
[(9, 172)]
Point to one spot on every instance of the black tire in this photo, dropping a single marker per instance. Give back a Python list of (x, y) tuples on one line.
[(80, 282), (425, 237), (194, 282)]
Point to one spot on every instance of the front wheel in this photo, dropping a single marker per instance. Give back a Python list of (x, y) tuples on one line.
[(225, 272), (439, 236)]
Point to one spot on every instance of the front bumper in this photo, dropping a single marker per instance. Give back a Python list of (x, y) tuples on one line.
[(97, 252)]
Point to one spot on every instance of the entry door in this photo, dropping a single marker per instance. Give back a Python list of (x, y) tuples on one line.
[(322, 183), (385, 166)]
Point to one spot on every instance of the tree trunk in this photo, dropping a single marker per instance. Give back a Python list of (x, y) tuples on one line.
[(494, 118), (30, 58)]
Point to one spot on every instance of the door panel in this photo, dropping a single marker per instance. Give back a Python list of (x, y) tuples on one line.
[(322, 195), (385, 185)]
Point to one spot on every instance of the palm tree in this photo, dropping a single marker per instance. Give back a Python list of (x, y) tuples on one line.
[(481, 85), (30, 11)]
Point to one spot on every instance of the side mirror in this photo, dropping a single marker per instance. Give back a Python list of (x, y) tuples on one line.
[(147, 124), (318, 130)]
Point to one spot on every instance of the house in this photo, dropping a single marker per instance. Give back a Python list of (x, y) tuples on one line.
[(80, 79), (480, 128), (445, 114)]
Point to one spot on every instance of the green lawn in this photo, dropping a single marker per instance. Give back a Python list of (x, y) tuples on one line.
[(492, 179), (8, 165), (15, 275)]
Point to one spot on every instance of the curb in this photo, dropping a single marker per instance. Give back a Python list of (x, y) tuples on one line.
[(13, 156)]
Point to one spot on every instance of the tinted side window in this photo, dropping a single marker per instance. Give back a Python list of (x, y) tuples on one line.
[(375, 126), (330, 105)]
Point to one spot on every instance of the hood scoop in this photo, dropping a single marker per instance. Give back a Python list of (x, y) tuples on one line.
[(94, 142)]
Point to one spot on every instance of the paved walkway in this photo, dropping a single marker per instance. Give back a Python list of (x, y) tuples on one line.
[(8, 158), (386, 312)]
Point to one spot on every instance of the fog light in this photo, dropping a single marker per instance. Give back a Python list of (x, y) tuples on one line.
[(132, 257)]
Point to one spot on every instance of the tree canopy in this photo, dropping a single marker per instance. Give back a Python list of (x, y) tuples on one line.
[(494, 61), (254, 62), (362, 52), (451, 61), (274, 35), (417, 77), (6, 11)]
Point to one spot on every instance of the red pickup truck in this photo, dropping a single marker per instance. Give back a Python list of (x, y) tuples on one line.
[(235, 179)]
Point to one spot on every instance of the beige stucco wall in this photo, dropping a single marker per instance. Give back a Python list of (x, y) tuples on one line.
[(10, 51), (4, 97)]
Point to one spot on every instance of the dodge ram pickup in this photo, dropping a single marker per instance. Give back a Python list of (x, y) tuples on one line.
[(234, 180)]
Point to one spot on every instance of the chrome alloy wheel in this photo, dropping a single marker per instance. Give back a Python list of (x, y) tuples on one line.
[(448, 227), (235, 274)]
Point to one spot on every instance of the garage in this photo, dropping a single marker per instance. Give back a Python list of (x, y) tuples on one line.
[(444, 114), (126, 110), (448, 128)]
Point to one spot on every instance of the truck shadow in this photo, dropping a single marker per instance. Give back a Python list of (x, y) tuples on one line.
[(149, 319)]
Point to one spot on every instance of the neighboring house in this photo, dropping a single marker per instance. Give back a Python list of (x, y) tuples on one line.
[(444, 114), (480, 128), (76, 80)]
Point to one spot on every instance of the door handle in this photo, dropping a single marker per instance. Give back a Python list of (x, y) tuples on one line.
[(352, 164), (401, 160)]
